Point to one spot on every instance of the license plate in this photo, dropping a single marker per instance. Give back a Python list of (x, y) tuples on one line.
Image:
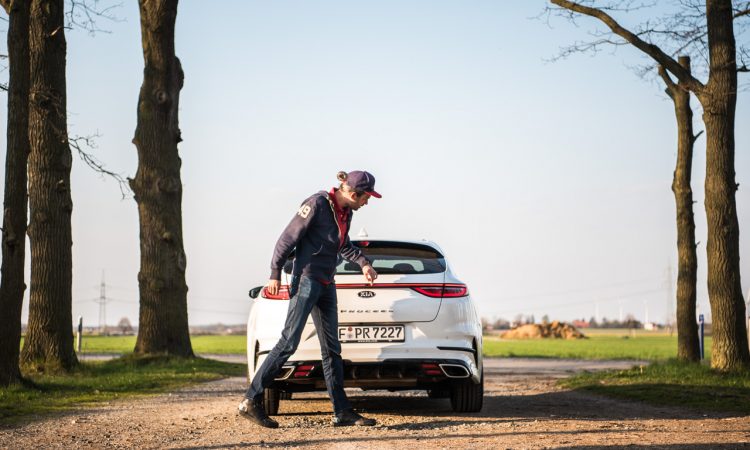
[(371, 333)]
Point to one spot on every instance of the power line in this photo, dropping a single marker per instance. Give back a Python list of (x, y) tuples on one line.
[(102, 301), (577, 291), (588, 302)]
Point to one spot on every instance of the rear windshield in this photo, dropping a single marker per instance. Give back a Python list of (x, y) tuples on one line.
[(396, 258)]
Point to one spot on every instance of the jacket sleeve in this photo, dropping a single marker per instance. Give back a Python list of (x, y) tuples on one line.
[(353, 253), (292, 235)]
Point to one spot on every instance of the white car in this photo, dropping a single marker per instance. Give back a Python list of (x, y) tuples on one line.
[(415, 328)]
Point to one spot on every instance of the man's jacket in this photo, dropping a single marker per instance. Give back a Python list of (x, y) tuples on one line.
[(313, 234)]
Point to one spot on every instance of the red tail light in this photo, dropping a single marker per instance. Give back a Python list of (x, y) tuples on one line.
[(432, 290), (443, 290), (303, 371), (431, 369), (283, 293)]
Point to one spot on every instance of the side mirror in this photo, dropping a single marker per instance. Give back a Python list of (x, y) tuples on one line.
[(254, 292)]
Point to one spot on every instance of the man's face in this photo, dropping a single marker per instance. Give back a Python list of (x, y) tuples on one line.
[(359, 201)]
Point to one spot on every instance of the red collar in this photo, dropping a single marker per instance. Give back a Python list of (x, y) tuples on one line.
[(341, 215), (339, 209)]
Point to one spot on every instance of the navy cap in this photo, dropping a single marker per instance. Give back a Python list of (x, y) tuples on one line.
[(362, 181)]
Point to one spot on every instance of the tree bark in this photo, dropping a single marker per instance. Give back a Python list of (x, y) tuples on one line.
[(719, 100), (49, 342), (15, 201), (688, 348), (163, 320)]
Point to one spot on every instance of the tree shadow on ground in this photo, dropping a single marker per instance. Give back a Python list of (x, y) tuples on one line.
[(559, 404)]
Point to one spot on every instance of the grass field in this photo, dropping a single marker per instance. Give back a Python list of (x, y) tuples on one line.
[(95, 382), (671, 383), (602, 344), (201, 344), (599, 346)]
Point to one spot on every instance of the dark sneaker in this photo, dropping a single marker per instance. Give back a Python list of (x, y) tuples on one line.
[(254, 412), (349, 417)]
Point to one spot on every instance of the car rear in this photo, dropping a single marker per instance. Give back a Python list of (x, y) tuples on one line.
[(414, 328)]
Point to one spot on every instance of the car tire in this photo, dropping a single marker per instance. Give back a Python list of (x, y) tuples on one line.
[(466, 396), (438, 393), (271, 397)]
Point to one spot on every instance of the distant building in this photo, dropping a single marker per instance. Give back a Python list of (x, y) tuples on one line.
[(580, 324)]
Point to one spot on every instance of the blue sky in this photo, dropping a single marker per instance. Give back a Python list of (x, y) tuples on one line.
[(547, 184)]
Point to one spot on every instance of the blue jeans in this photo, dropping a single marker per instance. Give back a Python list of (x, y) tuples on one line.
[(308, 296)]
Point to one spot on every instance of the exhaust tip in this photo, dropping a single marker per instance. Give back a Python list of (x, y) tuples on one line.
[(455, 371), (285, 373)]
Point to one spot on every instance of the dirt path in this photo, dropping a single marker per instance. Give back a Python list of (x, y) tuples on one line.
[(523, 409)]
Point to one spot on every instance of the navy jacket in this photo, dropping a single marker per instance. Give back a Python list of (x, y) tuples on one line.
[(314, 235)]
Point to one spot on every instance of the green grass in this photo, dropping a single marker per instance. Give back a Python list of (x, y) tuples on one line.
[(599, 346), (119, 345), (602, 344), (671, 383), (96, 382)]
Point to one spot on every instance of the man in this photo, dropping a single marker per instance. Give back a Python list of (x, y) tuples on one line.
[(319, 234)]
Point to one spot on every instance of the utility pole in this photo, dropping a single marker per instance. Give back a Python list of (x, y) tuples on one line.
[(102, 301)]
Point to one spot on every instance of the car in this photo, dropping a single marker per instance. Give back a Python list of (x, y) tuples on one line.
[(414, 328)]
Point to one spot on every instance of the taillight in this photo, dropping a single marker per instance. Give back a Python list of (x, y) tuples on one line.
[(445, 290), (431, 369), (283, 293), (303, 371), (455, 290), (433, 290)]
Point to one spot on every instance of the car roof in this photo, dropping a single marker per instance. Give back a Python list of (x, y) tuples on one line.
[(405, 241)]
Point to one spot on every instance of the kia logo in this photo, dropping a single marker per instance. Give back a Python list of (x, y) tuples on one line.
[(366, 294)]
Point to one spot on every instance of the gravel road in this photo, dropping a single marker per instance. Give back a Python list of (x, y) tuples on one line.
[(523, 409)]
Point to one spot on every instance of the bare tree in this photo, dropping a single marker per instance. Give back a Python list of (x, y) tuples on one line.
[(52, 102), (718, 97), (687, 329), (163, 320), (49, 343), (15, 203)]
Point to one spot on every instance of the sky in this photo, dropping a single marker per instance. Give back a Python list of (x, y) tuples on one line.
[(547, 184)]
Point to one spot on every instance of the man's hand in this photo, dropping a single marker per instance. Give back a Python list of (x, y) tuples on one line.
[(273, 286), (369, 274)]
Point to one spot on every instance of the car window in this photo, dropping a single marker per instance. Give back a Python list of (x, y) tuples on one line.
[(388, 257), (396, 258)]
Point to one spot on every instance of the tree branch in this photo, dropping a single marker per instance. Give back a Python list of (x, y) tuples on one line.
[(84, 13), (79, 142), (671, 86), (649, 49)]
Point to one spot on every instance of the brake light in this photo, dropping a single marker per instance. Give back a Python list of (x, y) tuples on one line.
[(431, 369), (430, 291), (303, 371), (444, 290), (433, 290), (455, 290), (283, 293)]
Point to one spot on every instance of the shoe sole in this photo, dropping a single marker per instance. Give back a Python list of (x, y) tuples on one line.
[(256, 421), (352, 424)]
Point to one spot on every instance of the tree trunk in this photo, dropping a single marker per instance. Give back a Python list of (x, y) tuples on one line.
[(49, 342), (15, 203), (163, 320), (687, 329), (730, 345)]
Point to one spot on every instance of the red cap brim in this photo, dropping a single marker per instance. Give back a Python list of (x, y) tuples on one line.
[(374, 194)]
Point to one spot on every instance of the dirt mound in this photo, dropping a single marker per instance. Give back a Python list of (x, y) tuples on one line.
[(554, 330)]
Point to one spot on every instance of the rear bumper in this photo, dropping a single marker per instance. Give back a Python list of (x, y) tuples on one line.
[(392, 374)]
